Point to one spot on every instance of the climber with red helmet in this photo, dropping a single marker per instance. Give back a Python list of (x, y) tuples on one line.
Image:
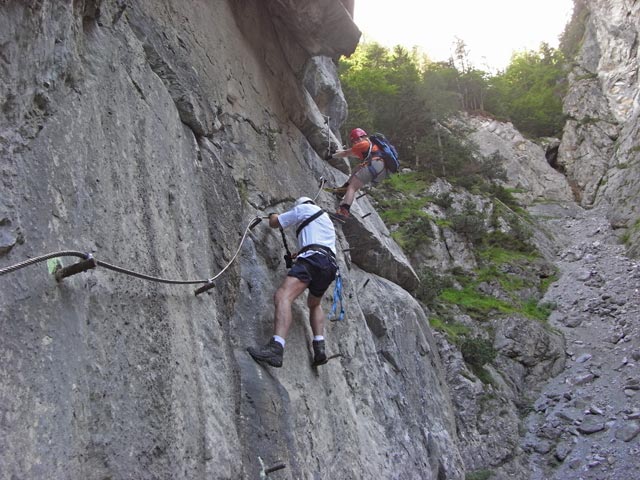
[(372, 168)]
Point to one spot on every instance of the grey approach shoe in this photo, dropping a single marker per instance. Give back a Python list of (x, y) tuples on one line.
[(319, 355), (271, 353)]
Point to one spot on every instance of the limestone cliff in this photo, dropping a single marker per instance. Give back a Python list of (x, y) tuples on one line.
[(150, 134), (526, 166), (600, 149)]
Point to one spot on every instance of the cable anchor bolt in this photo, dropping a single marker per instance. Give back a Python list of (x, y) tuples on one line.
[(82, 266)]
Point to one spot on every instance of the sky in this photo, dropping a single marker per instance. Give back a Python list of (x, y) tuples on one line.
[(491, 29)]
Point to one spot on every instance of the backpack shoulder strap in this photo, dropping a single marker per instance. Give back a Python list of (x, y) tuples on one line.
[(308, 220), (370, 149)]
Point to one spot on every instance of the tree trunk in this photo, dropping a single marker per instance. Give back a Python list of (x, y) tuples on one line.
[(441, 153)]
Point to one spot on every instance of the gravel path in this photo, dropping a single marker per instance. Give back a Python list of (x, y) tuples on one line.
[(585, 423)]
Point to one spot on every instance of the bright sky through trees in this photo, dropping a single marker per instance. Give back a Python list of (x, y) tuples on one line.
[(491, 29)]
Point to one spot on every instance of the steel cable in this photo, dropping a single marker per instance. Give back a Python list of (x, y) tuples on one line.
[(322, 182), (115, 268), (42, 258)]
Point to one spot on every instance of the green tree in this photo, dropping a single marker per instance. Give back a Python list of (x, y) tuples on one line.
[(382, 88), (405, 96), (529, 92), (364, 83), (440, 90)]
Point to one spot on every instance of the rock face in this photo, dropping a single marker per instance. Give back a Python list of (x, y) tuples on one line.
[(488, 414), (600, 149), (583, 424), (150, 134), (374, 250), (525, 162)]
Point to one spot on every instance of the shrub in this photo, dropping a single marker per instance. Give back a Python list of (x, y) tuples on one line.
[(454, 331), (399, 212), (418, 233), (479, 475), (431, 286), (444, 200), (503, 194), (517, 241), (470, 226), (539, 311), (475, 304), (477, 351)]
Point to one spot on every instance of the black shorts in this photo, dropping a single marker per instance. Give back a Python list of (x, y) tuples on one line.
[(318, 270)]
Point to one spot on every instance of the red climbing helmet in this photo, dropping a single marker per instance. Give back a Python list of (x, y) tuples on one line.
[(356, 133)]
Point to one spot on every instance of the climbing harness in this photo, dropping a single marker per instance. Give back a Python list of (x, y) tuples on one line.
[(90, 262), (337, 297), (318, 248), (288, 257), (368, 164)]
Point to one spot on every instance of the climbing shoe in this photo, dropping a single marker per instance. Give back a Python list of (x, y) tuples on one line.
[(319, 355), (271, 353), (342, 212)]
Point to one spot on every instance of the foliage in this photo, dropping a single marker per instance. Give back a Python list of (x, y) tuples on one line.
[(431, 285), (381, 87), (503, 195), (444, 200), (470, 226), (413, 183), (492, 167), (511, 244), (442, 154), (415, 234), (404, 95), (401, 202), (545, 283), (400, 197), (438, 87), (505, 269), (508, 282), (530, 91), (536, 310), (469, 223), (476, 304), (498, 250), (477, 351), (402, 211), (454, 331), (630, 232), (479, 475)]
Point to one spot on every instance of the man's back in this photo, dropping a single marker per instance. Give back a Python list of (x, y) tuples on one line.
[(320, 231)]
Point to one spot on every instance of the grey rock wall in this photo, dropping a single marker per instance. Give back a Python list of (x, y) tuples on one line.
[(600, 150), (525, 164), (150, 134), (489, 405)]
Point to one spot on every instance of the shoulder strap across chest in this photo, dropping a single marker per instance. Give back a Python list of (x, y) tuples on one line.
[(308, 220)]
